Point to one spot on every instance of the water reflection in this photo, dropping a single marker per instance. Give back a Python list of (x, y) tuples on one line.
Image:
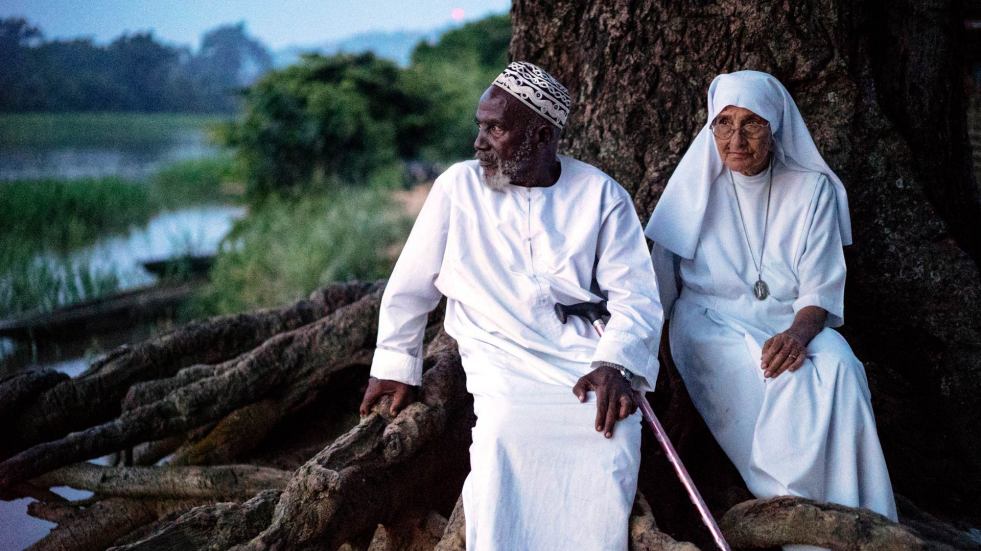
[(78, 162), (137, 161), (195, 230)]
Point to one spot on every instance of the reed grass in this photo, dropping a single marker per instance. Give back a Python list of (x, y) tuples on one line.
[(287, 248), (64, 214), (124, 130)]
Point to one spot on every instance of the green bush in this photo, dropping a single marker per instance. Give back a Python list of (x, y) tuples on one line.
[(451, 75), (487, 39), (322, 121), (345, 118), (286, 248)]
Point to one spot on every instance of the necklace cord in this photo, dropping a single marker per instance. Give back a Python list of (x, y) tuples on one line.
[(766, 221)]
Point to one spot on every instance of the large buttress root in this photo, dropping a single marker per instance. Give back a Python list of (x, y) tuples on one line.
[(302, 358), (788, 520), (380, 466), (95, 396)]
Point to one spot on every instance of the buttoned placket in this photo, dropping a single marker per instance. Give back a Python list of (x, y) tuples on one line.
[(533, 196)]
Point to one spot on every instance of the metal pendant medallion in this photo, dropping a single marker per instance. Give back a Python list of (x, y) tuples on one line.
[(761, 290)]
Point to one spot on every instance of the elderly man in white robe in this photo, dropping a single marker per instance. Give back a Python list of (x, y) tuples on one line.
[(556, 447), (750, 231)]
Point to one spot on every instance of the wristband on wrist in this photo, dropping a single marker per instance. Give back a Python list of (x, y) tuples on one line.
[(623, 371)]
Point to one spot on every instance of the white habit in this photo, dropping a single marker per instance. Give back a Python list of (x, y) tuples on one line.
[(541, 476), (810, 432), (807, 433)]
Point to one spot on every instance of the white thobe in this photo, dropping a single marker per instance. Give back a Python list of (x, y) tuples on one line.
[(541, 476), (807, 433)]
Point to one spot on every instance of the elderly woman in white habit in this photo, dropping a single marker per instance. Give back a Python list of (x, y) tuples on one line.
[(748, 250)]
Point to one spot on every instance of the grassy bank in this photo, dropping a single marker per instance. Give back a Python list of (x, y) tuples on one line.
[(126, 130), (287, 248), (47, 219), (282, 251), (29, 282), (64, 214), (198, 181), (60, 215)]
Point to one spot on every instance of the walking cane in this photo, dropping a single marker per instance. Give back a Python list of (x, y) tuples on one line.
[(593, 313)]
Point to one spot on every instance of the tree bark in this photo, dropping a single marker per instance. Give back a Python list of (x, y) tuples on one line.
[(793, 520), (223, 482), (880, 112), (97, 526), (214, 527)]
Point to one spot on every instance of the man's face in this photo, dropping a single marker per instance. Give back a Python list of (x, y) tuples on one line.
[(504, 146)]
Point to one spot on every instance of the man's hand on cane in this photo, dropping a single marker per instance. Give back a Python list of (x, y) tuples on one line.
[(401, 393), (614, 397)]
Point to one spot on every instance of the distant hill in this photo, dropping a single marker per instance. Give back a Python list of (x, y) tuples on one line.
[(394, 45)]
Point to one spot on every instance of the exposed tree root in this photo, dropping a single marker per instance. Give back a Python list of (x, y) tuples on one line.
[(95, 396), (19, 389), (787, 520), (644, 533), (378, 486), (239, 432), (148, 392), (410, 533), (149, 453), (58, 512), (303, 357), (218, 526), (217, 483), (97, 526), (454, 536), (364, 477)]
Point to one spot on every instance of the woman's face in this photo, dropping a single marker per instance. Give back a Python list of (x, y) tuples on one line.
[(747, 150)]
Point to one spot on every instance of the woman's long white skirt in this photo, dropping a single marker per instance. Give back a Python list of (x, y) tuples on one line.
[(809, 433), (542, 478)]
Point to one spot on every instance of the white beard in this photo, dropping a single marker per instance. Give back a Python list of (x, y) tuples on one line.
[(498, 181)]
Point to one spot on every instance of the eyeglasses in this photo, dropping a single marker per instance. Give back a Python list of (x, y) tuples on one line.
[(750, 131)]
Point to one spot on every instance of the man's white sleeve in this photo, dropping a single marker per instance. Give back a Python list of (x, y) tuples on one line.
[(625, 273), (411, 294)]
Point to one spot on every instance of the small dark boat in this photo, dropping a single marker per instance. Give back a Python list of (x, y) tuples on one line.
[(180, 267), (100, 315)]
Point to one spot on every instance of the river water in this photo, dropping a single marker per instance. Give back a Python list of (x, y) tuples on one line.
[(132, 146), (194, 230)]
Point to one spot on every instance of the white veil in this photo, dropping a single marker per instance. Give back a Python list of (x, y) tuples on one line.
[(677, 219)]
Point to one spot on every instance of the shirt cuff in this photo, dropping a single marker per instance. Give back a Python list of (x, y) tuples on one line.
[(836, 313), (632, 353), (396, 366)]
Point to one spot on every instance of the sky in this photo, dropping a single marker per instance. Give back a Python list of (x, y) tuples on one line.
[(276, 23)]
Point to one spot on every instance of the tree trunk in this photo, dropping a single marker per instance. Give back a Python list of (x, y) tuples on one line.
[(880, 86)]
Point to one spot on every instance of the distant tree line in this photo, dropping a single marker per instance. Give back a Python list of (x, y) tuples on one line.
[(350, 118), (135, 72)]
